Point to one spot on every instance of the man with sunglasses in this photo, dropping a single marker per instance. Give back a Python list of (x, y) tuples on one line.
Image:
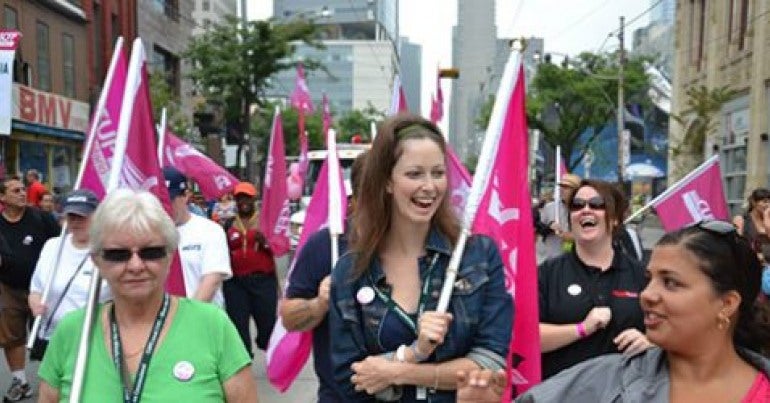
[(558, 234), (202, 244), (26, 230)]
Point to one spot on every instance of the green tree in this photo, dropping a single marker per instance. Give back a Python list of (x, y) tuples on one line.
[(163, 96), (566, 100), (232, 63), (358, 122), (698, 123)]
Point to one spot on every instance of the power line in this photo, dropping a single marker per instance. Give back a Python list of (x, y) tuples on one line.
[(632, 20)]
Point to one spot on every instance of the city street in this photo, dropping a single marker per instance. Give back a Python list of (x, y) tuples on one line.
[(303, 389)]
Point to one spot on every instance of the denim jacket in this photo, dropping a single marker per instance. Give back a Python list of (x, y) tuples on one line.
[(482, 313)]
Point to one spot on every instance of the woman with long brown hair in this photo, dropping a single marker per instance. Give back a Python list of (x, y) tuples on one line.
[(388, 341)]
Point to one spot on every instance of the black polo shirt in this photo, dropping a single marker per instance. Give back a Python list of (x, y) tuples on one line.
[(569, 289)]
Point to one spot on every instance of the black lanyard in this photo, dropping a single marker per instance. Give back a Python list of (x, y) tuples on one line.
[(64, 294), (117, 351), (392, 305)]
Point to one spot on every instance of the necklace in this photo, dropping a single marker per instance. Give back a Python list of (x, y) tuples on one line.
[(244, 228)]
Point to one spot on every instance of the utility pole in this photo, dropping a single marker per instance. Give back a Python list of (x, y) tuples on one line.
[(622, 141)]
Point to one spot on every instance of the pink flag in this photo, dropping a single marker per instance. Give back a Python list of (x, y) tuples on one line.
[(300, 100), (327, 115), (505, 214), (275, 214), (459, 181), (398, 98), (288, 351), (213, 180), (698, 196), (126, 123), (562, 167), (437, 103), (104, 128)]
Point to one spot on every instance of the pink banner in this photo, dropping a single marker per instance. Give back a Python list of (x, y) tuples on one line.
[(505, 214), (287, 351), (300, 100), (699, 196), (398, 98), (213, 180), (275, 214), (327, 115), (97, 169), (9, 39)]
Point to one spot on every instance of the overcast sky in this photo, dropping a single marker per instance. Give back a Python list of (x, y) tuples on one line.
[(568, 26)]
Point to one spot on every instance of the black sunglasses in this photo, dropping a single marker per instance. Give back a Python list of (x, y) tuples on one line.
[(122, 255), (595, 203)]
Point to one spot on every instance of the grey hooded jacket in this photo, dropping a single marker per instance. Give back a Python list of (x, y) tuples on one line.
[(615, 378)]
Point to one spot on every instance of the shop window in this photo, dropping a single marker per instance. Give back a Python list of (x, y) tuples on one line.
[(43, 57)]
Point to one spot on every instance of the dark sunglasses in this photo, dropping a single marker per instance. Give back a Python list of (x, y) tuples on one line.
[(122, 255), (595, 203)]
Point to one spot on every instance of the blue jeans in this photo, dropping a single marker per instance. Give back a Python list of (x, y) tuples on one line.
[(252, 296)]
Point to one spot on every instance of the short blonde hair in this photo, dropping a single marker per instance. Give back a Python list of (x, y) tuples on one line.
[(133, 211)]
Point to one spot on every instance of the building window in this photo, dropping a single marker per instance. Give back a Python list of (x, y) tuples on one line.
[(206, 5), (166, 63), (743, 24), (10, 18), (43, 57), (730, 16), (68, 55), (168, 7), (733, 149), (701, 32)]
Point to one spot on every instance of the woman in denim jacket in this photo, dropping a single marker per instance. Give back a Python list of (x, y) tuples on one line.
[(387, 340)]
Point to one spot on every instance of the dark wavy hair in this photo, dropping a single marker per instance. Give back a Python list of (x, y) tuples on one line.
[(731, 265), (371, 219), (614, 202)]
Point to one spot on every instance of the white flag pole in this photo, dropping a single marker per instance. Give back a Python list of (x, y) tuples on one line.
[(557, 188), (78, 180), (133, 80), (483, 172), (336, 226), (161, 136)]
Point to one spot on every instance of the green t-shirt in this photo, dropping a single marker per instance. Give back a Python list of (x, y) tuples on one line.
[(200, 334)]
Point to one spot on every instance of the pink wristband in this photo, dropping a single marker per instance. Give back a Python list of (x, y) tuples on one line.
[(581, 330)]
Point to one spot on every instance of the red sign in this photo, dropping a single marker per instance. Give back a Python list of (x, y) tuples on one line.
[(9, 40), (45, 108)]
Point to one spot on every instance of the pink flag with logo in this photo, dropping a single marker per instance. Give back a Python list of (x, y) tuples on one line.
[(275, 214), (505, 214), (398, 97), (696, 197), (300, 100), (213, 180), (437, 103), (127, 118), (459, 181), (288, 351), (327, 115)]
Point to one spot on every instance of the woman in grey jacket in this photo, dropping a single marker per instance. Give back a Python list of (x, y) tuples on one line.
[(699, 310)]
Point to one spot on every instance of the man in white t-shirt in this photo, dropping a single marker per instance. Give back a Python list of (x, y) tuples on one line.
[(202, 244)]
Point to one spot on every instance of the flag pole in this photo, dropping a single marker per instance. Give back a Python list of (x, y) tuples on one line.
[(483, 172), (161, 136), (78, 180), (335, 203), (673, 188), (121, 143), (557, 188)]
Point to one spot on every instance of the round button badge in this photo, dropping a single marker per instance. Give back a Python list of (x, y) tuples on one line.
[(574, 290), (184, 371), (365, 295)]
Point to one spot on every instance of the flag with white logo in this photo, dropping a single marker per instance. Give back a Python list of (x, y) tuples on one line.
[(696, 197), (213, 180), (275, 213)]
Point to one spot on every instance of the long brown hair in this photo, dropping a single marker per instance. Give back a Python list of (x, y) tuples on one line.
[(371, 219)]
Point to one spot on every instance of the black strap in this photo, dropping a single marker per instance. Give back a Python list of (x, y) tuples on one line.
[(392, 305), (64, 293), (135, 392)]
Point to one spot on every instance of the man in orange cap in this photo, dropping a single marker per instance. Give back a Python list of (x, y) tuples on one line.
[(555, 239), (252, 292)]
